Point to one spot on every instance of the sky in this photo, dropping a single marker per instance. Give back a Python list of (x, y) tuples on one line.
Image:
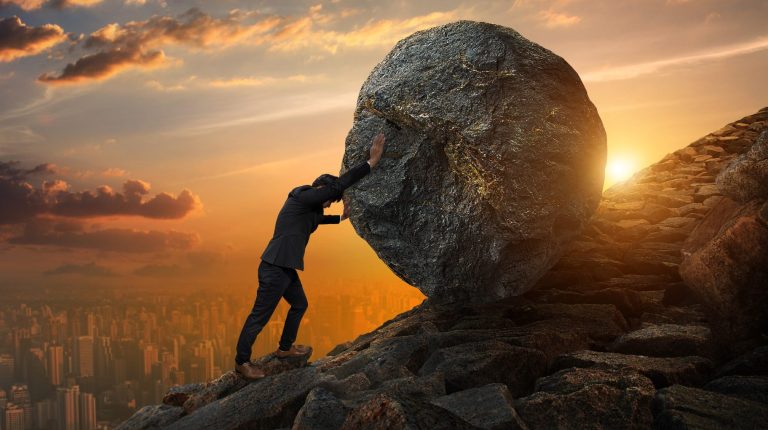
[(148, 143)]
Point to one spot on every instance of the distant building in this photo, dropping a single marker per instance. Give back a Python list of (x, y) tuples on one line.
[(45, 414), (13, 418), (20, 397), (56, 364), (67, 408), (84, 356), (150, 358), (87, 411), (6, 370)]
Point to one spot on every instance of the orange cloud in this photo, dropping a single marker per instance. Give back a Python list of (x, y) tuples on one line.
[(302, 33), (234, 82), (43, 232), (20, 40), (60, 4), (554, 19), (57, 4), (639, 69), (23, 202), (87, 269), (23, 4), (139, 43), (105, 64)]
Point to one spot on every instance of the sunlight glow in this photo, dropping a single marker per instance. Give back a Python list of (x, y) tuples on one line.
[(618, 169)]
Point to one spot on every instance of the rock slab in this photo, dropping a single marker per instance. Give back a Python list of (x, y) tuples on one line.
[(494, 161)]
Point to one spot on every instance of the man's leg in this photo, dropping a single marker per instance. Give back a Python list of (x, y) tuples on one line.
[(294, 295), (273, 281)]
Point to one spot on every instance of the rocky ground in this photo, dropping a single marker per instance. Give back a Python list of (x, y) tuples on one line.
[(611, 337)]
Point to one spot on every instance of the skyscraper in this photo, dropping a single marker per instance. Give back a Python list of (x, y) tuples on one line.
[(87, 411), (56, 364), (67, 408), (150, 358), (6, 369), (103, 361), (20, 397), (13, 418), (45, 414), (84, 356)]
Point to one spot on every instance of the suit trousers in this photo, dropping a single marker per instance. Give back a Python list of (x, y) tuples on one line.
[(275, 282)]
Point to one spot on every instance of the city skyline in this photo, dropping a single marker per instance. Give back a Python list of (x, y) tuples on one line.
[(83, 365)]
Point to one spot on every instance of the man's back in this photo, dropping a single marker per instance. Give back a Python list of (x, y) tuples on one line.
[(300, 215)]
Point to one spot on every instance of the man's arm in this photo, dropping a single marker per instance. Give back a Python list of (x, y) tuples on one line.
[(317, 196), (330, 219)]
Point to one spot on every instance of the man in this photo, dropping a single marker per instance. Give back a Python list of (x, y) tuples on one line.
[(299, 217)]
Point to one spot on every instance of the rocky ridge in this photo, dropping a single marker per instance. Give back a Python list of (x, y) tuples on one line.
[(610, 337)]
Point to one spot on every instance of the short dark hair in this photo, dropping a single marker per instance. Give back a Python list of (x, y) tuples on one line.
[(326, 179)]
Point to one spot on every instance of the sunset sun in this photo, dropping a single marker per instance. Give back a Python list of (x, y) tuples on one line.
[(618, 169)]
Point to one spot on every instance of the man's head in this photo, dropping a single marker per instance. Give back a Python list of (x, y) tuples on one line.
[(325, 180)]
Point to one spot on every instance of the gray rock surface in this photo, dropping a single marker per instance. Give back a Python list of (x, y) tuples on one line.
[(662, 371), (753, 388), (152, 417), (494, 161), (488, 407), (666, 340), (729, 275), (746, 177), (321, 411), (679, 407), (578, 399), (270, 402)]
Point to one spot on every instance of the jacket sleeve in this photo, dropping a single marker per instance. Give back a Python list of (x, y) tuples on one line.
[(317, 196), (329, 219)]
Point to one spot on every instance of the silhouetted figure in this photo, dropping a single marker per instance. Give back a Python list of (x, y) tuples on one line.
[(299, 217)]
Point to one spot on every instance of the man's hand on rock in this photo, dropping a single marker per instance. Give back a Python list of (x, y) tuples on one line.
[(377, 148), (345, 214)]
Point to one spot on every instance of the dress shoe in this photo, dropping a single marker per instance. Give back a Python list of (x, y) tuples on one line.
[(249, 371), (295, 351)]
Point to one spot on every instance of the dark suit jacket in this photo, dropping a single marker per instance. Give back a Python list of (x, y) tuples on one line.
[(300, 216)]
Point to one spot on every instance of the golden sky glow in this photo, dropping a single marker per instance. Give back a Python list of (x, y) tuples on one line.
[(170, 132)]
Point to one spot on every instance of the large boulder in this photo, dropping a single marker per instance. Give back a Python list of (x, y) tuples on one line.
[(494, 161)]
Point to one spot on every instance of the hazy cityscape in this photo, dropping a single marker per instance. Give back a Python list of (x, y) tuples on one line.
[(75, 360)]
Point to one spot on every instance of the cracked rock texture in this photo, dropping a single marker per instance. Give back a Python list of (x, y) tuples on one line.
[(493, 164)]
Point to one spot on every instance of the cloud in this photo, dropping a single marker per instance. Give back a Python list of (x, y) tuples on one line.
[(233, 82), (202, 259), (105, 64), (22, 201), (198, 262), (87, 269), (56, 4), (20, 40), (302, 33), (61, 4), (139, 44), (23, 4), (554, 19), (105, 202), (159, 270), (50, 233), (639, 69)]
